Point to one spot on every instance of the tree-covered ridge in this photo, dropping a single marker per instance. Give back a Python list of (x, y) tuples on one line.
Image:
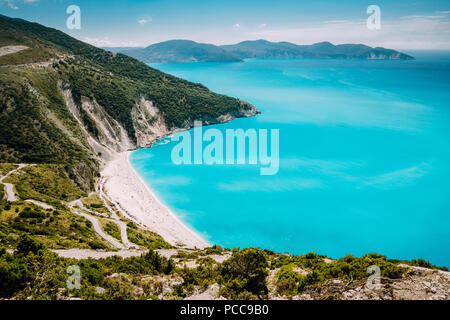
[(36, 125), (179, 100)]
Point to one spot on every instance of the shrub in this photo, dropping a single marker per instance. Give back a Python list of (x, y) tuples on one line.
[(288, 281), (13, 275), (246, 270), (29, 245), (29, 213)]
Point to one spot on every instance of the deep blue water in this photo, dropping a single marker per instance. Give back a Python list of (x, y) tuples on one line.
[(364, 159)]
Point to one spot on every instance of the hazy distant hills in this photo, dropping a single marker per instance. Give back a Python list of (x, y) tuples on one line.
[(180, 51), (190, 51), (263, 49)]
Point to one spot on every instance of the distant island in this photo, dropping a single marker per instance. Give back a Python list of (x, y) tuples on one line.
[(191, 51)]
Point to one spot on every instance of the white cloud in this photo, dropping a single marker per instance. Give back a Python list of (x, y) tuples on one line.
[(411, 32), (13, 4), (263, 25), (237, 26), (106, 42), (144, 21), (421, 17), (98, 42), (336, 21)]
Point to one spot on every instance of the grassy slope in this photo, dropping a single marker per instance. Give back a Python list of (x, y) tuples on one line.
[(58, 228), (6, 167), (26, 133), (46, 183), (177, 98)]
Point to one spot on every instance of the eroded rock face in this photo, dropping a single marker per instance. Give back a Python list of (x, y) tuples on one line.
[(423, 284), (148, 122), (110, 132), (150, 125), (111, 137)]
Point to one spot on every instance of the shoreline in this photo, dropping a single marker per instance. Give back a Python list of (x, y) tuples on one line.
[(131, 195)]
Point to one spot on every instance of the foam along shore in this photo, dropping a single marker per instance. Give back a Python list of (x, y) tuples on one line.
[(125, 188)]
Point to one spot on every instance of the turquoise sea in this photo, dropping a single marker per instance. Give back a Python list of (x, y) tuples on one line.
[(364, 159)]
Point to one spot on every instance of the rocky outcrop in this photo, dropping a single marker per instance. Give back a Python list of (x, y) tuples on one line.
[(110, 136), (148, 122), (150, 125), (110, 133), (416, 284)]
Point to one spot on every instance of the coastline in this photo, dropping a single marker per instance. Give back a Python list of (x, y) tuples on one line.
[(135, 200)]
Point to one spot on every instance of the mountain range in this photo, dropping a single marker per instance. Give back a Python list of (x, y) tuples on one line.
[(190, 51)]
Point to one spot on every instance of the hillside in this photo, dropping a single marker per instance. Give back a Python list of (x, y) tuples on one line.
[(64, 101), (190, 51)]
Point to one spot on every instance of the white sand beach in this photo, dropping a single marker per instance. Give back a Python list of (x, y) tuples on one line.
[(125, 188)]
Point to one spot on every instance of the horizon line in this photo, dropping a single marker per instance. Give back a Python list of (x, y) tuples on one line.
[(219, 45)]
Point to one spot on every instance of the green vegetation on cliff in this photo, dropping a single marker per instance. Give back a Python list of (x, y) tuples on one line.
[(33, 271), (58, 228), (46, 183), (36, 125)]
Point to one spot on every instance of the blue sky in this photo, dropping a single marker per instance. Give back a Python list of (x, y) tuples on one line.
[(405, 24)]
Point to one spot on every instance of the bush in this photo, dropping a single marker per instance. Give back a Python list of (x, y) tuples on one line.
[(288, 281), (13, 275), (29, 245), (246, 270), (29, 213), (425, 264)]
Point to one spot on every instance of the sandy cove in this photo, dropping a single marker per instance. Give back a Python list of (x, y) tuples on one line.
[(125, 188)]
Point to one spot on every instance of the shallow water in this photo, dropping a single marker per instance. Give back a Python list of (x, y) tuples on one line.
[(364, 159)]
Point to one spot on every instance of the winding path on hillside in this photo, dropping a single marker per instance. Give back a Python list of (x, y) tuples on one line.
[(9, 188), (126, 244), (98, 229), (115, 219)]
